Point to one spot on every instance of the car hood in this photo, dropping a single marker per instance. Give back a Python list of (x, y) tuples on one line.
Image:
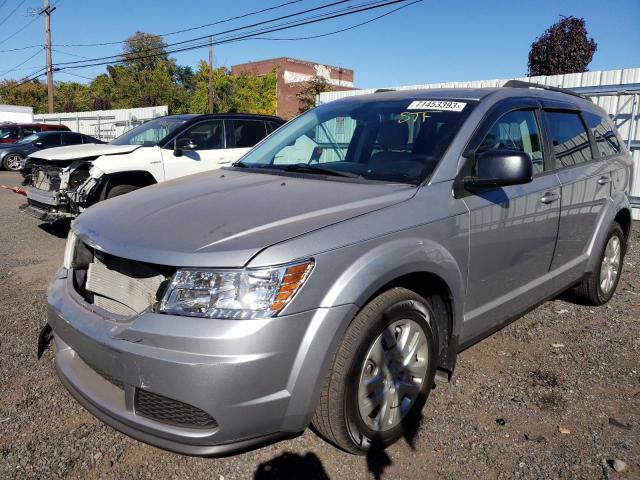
[(225, 217), (73, 152)]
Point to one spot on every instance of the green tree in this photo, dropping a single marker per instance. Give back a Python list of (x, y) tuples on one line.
[(309, 90), (72, 97), (563, 48), (30, 94), (142, 44)]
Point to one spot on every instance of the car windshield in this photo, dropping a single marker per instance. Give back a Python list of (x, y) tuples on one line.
[(29, 138), (149, 133), (399, 141)]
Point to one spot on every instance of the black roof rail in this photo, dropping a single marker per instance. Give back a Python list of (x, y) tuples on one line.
[(382, 90), (521, 84)]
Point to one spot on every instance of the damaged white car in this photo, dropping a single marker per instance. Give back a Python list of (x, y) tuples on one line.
[(62, 182)]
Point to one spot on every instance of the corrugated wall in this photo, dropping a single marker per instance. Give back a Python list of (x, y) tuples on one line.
[(620, 105), (103, 124)]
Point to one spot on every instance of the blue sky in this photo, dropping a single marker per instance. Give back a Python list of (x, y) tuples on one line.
[(426, 42)]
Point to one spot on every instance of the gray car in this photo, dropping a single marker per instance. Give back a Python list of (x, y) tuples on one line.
[(332, 272)]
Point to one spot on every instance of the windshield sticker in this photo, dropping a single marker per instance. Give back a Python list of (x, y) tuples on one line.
[(441, 105)]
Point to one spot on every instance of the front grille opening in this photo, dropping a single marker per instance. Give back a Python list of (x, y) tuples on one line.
[(172, 412), (115, 284)]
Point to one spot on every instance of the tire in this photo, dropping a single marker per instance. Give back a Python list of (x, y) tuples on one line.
[(13, 162), (118, 190), (341, 416), (594, 290)]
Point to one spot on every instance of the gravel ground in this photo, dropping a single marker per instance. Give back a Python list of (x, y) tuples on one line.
[(550, 396)]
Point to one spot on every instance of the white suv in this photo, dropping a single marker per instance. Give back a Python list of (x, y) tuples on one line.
[(62, 182)]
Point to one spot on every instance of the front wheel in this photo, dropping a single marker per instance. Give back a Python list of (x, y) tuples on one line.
[(13, 162), (118, 190), (381, 375)]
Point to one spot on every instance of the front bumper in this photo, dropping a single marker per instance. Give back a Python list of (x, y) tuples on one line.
[(45, 205), (259, 379)]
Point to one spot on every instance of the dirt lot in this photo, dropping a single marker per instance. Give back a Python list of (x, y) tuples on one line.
[(550, 396)]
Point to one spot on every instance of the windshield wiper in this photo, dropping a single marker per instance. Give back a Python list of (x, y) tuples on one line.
[(306, 168)]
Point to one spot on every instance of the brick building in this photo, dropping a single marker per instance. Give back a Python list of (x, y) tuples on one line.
[(291, 74)]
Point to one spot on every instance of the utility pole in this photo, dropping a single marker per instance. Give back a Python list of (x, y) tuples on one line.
[(210, 74), (47, 10)]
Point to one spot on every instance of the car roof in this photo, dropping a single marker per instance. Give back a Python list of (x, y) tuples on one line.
[(193, 116), (471, 94)]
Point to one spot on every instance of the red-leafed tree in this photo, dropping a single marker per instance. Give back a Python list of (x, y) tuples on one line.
[(563, 48)]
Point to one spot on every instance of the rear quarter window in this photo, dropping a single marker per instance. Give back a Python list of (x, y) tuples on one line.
[(606, 139), (569, 137)]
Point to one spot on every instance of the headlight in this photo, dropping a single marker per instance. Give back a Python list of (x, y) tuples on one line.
[(234, 294), (69, 250)]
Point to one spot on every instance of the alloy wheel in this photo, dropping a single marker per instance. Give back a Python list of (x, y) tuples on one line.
[(392, 375), (610, 267)]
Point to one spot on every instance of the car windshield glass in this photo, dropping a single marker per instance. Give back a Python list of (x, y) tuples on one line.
[(399, 141), (29, 138), (149, 133)]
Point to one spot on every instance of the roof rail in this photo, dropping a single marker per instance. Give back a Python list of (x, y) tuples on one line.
[(382, 90), (521, 84)]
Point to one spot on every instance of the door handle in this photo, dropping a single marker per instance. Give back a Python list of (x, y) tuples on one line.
[(603, 180), (549, 197)]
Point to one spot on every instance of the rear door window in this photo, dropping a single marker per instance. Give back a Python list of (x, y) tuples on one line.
[(52, 140), (606, 139), (246, 133), (569, 137), (71, 139)]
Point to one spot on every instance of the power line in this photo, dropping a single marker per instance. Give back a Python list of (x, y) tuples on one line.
[(12, 12), (20, 30), (229, 19), (19, 48), (334, 32), (326, 15), (73, 65), (2, 4), (21, 63)]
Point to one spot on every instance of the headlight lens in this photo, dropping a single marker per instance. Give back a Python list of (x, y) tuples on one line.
[(69, 250), (234, 294)]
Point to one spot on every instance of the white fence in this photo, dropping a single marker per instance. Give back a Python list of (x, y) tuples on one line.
[(617, 91), (103, 124)]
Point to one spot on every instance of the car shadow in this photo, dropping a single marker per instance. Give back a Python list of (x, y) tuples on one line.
[(59, 229), (292, 465)]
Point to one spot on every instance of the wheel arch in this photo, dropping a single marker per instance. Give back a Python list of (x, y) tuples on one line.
[(623, 218), (139, 178), (437, 291)]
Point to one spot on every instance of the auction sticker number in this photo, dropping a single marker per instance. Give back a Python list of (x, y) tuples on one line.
[(441, 105)]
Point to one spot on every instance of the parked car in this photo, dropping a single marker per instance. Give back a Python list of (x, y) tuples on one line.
[(66, 181), (12, 132), (329, 275), (13, 155)]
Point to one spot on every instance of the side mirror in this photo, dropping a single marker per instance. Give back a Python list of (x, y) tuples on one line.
[(181, 144), (38, 144), (500, 168)]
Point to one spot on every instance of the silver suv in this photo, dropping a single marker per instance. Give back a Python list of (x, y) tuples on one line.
[(328, 275)]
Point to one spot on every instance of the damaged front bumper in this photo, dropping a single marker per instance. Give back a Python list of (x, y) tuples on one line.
[(48, 206), (251, 380)]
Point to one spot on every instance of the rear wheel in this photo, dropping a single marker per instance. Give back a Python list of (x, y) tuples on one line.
[(600, 285), (381, 375), (118, 190), (13, 162)]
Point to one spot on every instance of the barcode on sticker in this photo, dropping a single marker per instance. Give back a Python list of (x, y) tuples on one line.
[(442, 105)]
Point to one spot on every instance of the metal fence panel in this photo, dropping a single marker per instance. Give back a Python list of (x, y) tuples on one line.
[(103, 124)]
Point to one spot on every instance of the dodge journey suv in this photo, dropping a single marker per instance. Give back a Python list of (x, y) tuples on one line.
[(328, 275)]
